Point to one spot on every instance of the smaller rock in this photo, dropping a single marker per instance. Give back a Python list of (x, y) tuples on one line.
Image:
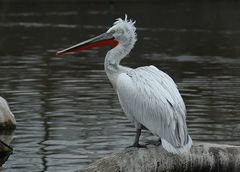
[(6, 150), (7, 119)]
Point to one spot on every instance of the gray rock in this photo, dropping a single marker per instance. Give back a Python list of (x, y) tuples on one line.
[(203, 157)]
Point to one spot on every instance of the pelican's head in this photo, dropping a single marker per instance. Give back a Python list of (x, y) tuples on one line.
[(122, 32)]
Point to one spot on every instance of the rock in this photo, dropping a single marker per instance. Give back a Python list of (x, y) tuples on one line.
[(203, 157), (6, 150), (7, 119)]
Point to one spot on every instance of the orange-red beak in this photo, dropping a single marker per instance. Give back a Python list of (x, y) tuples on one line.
[(101, 40)]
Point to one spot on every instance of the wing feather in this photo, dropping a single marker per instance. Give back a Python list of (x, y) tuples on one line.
[(150, 97)]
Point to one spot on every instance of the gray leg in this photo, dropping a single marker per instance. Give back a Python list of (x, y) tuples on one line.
[(136, 141)]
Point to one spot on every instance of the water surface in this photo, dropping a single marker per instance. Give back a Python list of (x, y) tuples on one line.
[(67, 112)]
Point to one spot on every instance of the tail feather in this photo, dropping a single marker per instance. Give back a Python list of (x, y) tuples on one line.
[(177, 150)]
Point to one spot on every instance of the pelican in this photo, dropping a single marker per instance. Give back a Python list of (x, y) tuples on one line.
[(148, 96)]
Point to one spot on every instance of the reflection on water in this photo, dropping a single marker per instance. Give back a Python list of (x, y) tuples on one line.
[(67, 113)]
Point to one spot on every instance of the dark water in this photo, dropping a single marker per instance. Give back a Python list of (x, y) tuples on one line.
[(67, 113)]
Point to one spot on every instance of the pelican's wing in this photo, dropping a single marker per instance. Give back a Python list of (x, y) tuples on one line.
[(151, 98)]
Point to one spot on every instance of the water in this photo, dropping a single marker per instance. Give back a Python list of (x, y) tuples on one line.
[(67, 113)]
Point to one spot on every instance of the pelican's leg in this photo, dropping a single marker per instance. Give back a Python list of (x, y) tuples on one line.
[(137, 136), (136, 141)]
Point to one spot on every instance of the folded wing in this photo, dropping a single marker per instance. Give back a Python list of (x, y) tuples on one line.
[(150, 97)]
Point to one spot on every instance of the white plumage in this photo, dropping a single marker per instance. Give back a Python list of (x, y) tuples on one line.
[(148, 96)]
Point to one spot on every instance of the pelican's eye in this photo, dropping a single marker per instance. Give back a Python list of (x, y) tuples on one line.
[(112, 32), (120, 31)]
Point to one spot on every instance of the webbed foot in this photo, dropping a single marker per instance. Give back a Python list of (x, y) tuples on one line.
[(137, 145)]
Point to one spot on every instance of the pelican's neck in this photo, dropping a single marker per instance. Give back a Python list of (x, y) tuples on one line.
[(112, 62)]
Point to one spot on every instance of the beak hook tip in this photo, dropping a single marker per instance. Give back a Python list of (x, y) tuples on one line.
[(59, 53)]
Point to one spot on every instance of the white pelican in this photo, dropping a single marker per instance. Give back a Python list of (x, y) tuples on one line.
[(148, 96)]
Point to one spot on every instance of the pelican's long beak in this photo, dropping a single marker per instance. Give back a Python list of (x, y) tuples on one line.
[(101, 40)]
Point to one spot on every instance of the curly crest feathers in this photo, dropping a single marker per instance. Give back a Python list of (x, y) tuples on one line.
[(124, 32), (126, 21)]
